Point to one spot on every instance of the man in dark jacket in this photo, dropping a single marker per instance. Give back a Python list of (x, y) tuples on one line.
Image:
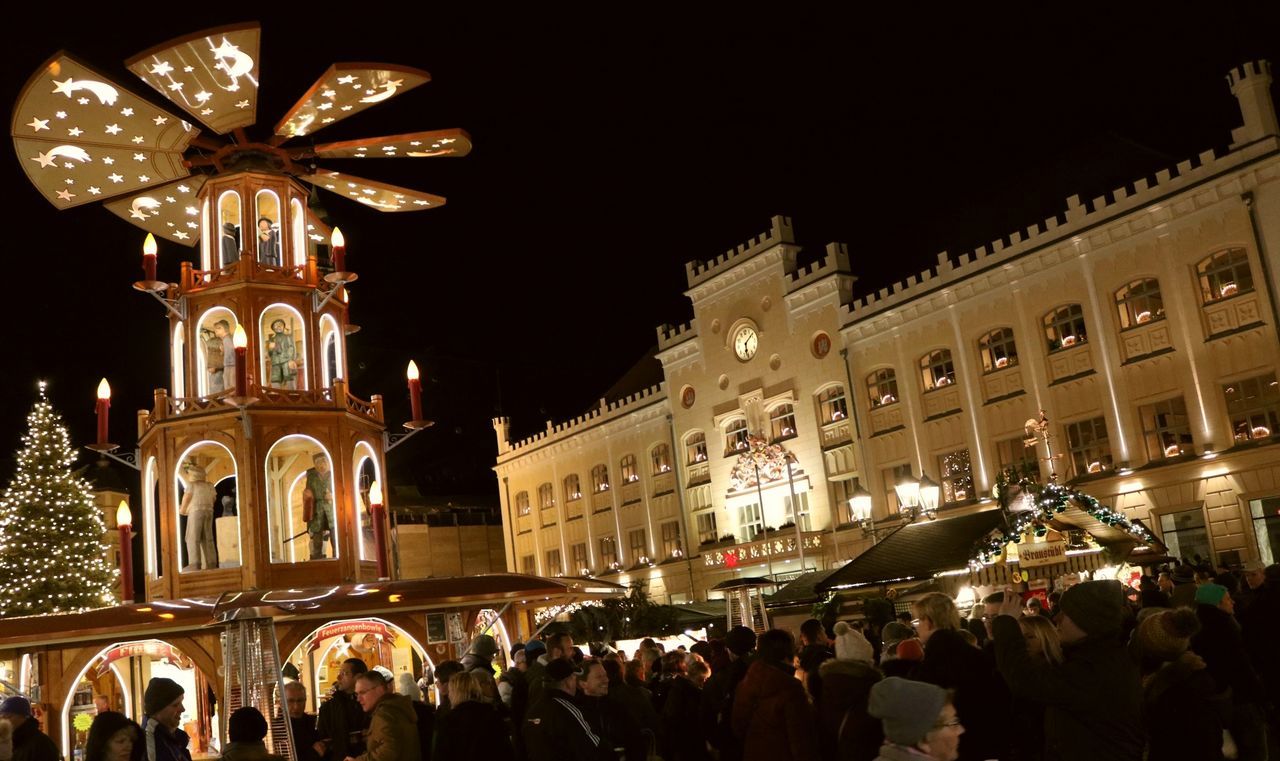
[(631, 700), (772, 718), (1093, 700), (29, 743), (815, 648), (615, 725), (1220, 644), (393, 724), (161, 738), (302, 724), (342, 721), (716, 710), (555, 728), (559, 645)]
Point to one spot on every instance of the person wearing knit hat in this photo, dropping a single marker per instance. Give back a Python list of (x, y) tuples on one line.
[(246, 729), (162, 706), (26, 740), (851, 644), (918, 720), (1215, 595), (903, 658), (1092, 699), (1220, 643), (1177, 690)]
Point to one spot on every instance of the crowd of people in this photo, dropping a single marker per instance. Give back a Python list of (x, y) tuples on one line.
[(1183, 667)]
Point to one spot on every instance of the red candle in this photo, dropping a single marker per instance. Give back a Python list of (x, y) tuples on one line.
[(149, 258), (338, 249), (415, 392), (241, 343), (104, 404), (124, 522), (377, 515)]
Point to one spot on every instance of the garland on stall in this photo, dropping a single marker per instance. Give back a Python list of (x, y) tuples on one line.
[(1037, 505)]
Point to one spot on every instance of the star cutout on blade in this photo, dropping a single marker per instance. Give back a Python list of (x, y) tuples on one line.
[(184, 189), (39, 124), (65, 87), (93, 190), (138, 139), (347, 108), (139, 157), (160, 120), (61, 114), (75, 132), (206, 111), (126, 112), (115, 178), (330, 93), (181, 236), (45, 159), (113, 129), (176, 87), (69, 181), (108, 160), (348, 79), (170, 199), (203, 96), (143, 178), (82, 101), (242, 104), (66, 195), (422, 203), (161, 68), (188, 69), (68, 165)]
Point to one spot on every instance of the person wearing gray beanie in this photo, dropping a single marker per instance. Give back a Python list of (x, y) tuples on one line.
[(161, 736), (918, 719)]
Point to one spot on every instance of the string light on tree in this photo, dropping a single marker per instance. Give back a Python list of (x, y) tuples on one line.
[(52, 558)]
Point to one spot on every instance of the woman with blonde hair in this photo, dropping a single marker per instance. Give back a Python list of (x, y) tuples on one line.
[(472, 728), (1042, 639)]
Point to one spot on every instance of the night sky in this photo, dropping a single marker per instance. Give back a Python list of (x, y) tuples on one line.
[(611, 147)]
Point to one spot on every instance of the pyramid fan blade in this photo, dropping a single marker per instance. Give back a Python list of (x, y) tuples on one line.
[(66, 102), (444, 142), (212, 75), (170, 211), (70, 175), (377, 195), (347, 89), (317, 229)]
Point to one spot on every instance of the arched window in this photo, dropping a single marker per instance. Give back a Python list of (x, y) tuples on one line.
[(831, 405), (937, 369), (735, 436), (1139, 302), (546, 497), (782, 423), (331, 351), (695, 447), (206, 507), (629, 471), (298, 233), (216, 357), (882, 387), (660, 457), (1064, 327), (283, 349), (229, 233), (522, 503), (266, 228), (1224, 274), (177, 356), (301, 515), (998, 350), (365, 470), (600, 478), (572, 488)]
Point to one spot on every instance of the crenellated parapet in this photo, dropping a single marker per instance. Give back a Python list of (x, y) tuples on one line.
[(672, 335), (699, 272), (604, 413), (834, 261)]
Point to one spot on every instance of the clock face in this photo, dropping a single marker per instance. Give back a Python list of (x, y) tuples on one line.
[(745, 342)]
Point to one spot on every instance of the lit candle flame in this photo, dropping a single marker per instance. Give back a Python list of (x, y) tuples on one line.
[(104, 389), (336, 240), (149, 245), (240, 340), (375, 493), (124, 517), (412, 372)]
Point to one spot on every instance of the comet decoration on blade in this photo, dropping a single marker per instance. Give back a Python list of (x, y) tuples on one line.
[(82, 137)]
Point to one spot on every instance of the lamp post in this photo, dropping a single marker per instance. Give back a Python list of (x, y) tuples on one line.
[(861, 510), (763, 523), (929, 493), (917, 496), (124, 523), (795, 513)]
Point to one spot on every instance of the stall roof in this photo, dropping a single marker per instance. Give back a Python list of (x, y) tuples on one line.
[(801, 590), (159, 617), (915, 551)]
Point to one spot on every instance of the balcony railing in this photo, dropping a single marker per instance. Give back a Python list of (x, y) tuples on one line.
[(247, 268), (781, 545), (168, 407)]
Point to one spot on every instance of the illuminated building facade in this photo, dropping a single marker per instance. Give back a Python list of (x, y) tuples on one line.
[(1142, 323)]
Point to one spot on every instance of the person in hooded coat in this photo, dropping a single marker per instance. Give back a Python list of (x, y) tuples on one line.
[(845, 730), (772, 717), (1179, 712)]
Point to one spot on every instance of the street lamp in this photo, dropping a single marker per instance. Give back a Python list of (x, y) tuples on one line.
[(860, 510), (917, 496), (929, 493), (908, 489)]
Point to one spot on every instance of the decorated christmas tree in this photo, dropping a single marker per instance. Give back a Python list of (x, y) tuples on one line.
[(52, 557)]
